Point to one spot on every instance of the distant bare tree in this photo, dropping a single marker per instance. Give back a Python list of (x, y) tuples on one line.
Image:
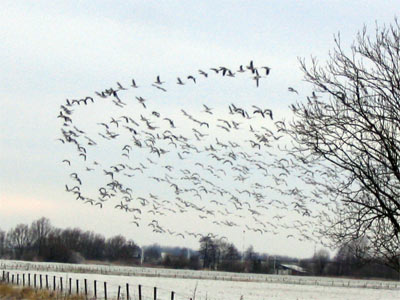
[(98, 246), (114, 247), (208, 252), (72, 238), (350, 126), (55, 249), (40, 229), (231, 259), (351, 257), (19, 238), (152, 254), (320, 261), (92, 245), (2, 242)]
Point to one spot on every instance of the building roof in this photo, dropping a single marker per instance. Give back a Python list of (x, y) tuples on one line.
[(294, 267)]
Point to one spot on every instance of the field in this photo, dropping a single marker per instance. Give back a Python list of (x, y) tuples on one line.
[(203, 285)]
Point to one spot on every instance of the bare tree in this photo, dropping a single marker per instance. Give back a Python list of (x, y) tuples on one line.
[(2, 242), (351, 257), (19, 238), (40, 230), (350, 128), (115, 246), (208, 252), (320, 261), (92, 245), (72, 238), (152, 254)]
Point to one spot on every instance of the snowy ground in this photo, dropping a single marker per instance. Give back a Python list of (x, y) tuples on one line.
[(282, 287)]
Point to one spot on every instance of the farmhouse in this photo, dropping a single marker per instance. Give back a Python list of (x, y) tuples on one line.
[(289, 269)]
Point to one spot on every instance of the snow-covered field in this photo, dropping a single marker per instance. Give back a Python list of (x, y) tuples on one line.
[(245, 286)]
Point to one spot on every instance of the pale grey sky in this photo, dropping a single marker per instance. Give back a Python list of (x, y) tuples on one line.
[(53, 50)]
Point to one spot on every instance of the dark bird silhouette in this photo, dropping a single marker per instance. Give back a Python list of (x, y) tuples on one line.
[(241, 70), (121, 87), (159, 87), (215, 70), (158, 80), (134, 84), (203, 73), (257, 79), (180, 81), (267, 70), (251, 67), (207, 109), (141, 101), (290, 89), (171, 123), (102, 94)]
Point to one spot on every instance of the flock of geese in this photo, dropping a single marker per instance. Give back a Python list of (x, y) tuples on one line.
[(193, 169)]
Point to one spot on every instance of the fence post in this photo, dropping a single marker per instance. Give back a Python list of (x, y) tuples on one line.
[(127, 291), (17, 279), (95, 289), (85, 282), (105, 290), (12, 278), (119, 292), (140, 292), (155, 293)]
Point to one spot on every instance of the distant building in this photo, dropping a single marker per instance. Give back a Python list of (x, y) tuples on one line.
[(289, 269), (164, 255)]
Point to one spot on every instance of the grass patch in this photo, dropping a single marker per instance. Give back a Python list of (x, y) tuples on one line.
[(11, 292)]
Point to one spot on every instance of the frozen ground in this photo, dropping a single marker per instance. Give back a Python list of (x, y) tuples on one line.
[(282, 288)]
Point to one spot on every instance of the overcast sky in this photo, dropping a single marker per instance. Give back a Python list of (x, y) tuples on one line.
[(53, 50)]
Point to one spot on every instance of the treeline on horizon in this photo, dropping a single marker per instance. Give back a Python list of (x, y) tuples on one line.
[(40, 241)]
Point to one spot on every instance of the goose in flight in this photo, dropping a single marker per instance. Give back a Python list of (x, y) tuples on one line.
[(215, 70), (257, 79), (267, 70), (141, 101), (203, 73), (192, 78), (102, 94), (241, 70), (159, 87), (170, 122), (158, 80), (207, 109), (251, 67), (290, 89), (134, 84), (180, 81), (121, 87)]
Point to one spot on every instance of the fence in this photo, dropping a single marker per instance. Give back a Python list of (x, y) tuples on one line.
[(190, 274), (84, 287)]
